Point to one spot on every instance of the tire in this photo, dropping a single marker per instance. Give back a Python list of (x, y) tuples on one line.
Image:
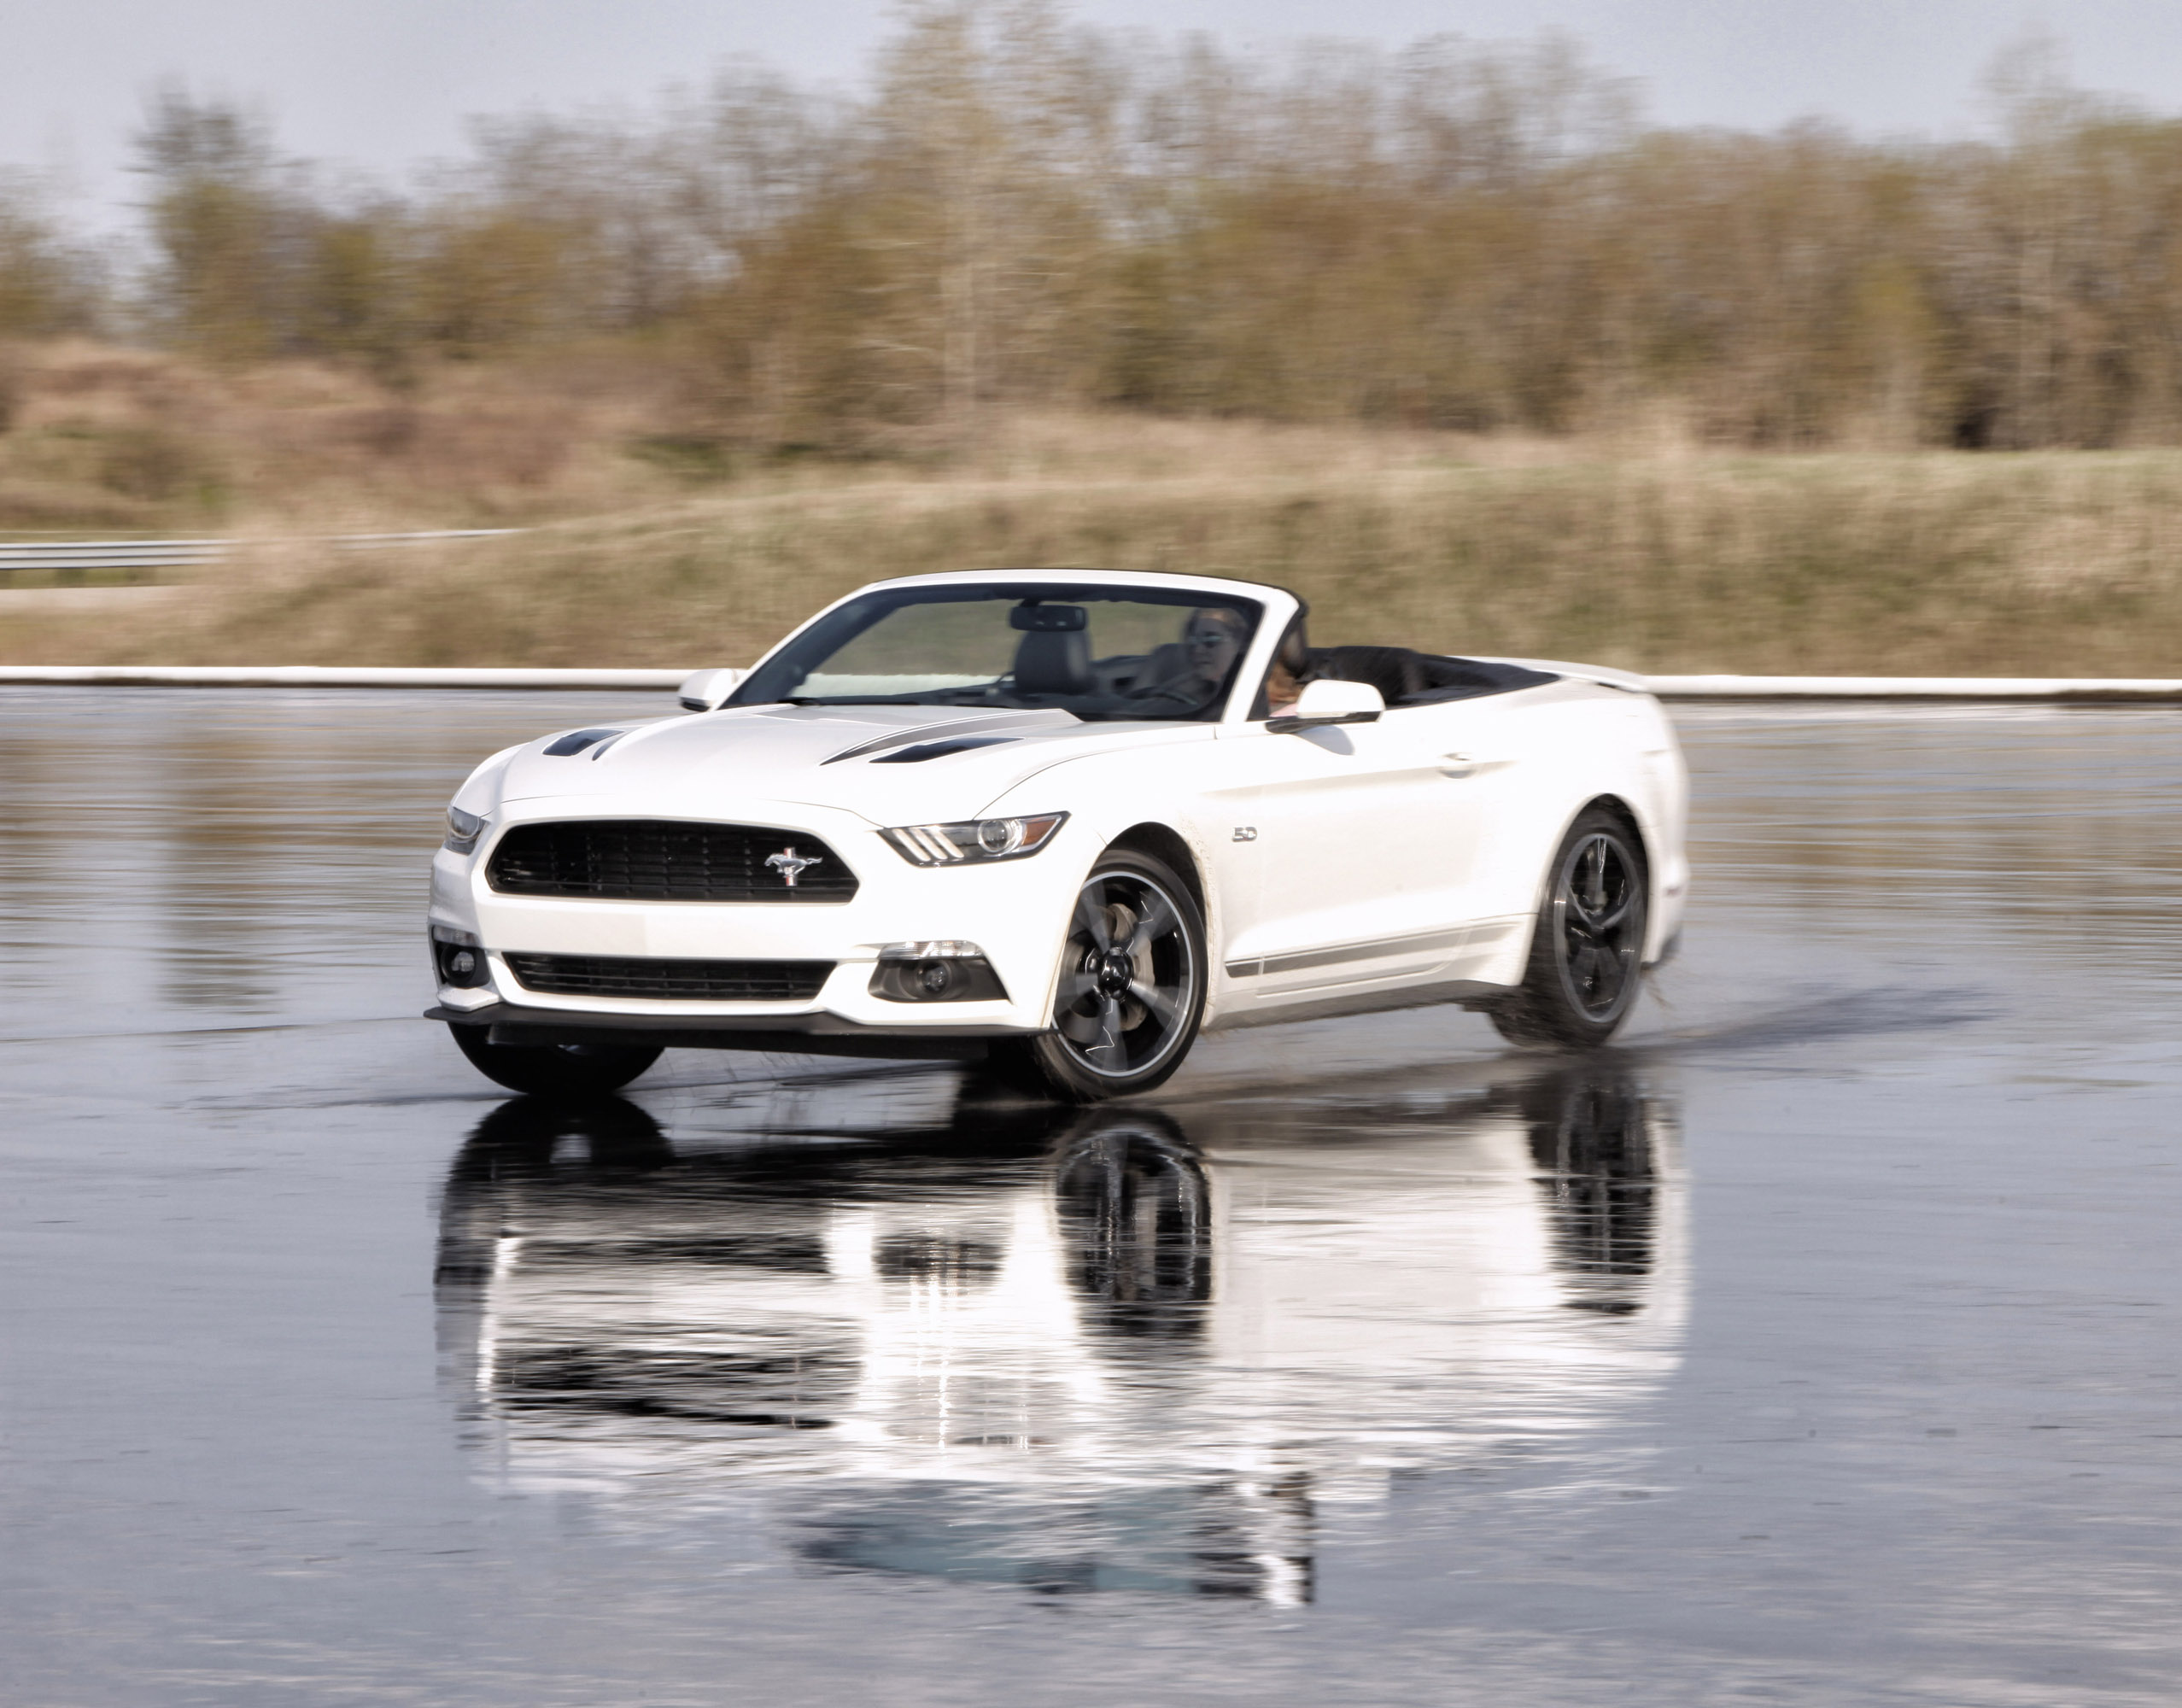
[(1587, 953), (1131, 991), (554, 1070)]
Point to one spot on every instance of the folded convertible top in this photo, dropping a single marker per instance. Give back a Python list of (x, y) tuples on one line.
[(1406, 677)]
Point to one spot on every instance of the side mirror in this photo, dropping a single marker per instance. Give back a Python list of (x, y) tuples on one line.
[(705, 690), (1330, 702)]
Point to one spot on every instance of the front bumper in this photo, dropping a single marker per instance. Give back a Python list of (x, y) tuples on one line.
[(1016, 911)]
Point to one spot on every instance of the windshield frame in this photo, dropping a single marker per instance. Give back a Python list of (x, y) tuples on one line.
[(774, 680)]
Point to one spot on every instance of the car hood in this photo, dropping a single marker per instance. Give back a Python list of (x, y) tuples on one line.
[(891, 764)]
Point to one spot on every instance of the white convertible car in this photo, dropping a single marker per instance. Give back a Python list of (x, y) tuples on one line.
[(1062, 820)]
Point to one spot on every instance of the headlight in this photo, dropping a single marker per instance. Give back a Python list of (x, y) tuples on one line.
[(463, 830), (978, 839)]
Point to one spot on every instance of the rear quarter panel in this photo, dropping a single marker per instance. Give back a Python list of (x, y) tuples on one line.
[(1559, 748)]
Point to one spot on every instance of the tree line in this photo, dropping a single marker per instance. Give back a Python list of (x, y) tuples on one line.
[(1018, 210)]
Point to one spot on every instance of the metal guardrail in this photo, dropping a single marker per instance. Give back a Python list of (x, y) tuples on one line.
[(161, 554), (110, 554)]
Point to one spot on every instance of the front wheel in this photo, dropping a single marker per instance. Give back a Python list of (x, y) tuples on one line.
[(1587, 953), (566, 1070), (1131, 988)]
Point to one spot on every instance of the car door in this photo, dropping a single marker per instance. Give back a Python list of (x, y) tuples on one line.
[(1361, 846)]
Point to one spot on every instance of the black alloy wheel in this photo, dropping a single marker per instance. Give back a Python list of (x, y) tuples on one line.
[(566, 1070), (1587, 953), (1131, 987)]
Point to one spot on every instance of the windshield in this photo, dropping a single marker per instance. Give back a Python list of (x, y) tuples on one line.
[(1098, 651)]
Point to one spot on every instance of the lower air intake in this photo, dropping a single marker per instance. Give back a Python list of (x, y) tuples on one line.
[(698, 981)]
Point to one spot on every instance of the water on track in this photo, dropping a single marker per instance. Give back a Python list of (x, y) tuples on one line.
[(1818, 1344)]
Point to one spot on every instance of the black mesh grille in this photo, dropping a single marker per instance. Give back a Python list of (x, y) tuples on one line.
[(636, 975), (664, 860)]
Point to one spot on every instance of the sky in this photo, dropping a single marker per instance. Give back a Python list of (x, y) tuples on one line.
[(385, 85)]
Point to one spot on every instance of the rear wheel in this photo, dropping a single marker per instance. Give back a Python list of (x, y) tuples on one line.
[(567, 1070), (1131, 988), (1587, 953)]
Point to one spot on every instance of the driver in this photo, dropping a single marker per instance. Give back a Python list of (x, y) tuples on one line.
[(1212, 640)]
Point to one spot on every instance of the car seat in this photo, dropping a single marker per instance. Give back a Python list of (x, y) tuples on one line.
[(1054, 662)]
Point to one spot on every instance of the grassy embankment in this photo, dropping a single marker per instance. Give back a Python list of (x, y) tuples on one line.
[(652, 549)]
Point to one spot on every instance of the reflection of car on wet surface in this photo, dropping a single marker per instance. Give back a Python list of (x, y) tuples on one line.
[(1122, 1348), (1063, 820)]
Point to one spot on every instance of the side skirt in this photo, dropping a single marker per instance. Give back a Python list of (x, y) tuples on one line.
[(1468, 993)]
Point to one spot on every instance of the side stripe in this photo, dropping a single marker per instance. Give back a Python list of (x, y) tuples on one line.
[(1303, 959)]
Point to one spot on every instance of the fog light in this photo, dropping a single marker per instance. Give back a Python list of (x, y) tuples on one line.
[(944, 970), (458, 958)]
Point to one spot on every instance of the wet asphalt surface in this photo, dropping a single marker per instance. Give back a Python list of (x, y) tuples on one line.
[(1817, 1345)]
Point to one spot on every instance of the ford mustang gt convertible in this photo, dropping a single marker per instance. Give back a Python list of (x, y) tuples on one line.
[(1061, 821)]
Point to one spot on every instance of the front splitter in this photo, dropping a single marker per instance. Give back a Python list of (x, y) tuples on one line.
[(820, 1034)]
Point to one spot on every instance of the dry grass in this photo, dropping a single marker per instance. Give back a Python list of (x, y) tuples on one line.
[(97, 438), (654, 547)]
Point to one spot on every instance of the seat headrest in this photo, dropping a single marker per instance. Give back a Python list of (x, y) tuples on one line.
[(1054, 662)]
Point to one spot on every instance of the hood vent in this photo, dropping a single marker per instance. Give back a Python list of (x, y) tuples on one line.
[(939, 750), (577, 739), (959, 729)]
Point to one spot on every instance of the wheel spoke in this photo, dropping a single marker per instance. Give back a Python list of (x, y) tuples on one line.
[(1155, 922), (1091, 916), (1594, 930), (1579, 880), (1109, 1026), (1164, 1008), (1600, 890), (1601, 925), (1074, 986)]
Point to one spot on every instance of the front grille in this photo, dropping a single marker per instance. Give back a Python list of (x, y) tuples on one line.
[(637, 975), (667, 860)]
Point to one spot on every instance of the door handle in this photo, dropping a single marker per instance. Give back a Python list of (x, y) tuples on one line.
[(1461, 765)]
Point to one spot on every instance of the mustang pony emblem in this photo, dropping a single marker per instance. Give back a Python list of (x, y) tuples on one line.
[(791, 865)]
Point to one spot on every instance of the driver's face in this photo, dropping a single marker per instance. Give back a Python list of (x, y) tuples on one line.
[(1213, 645)]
